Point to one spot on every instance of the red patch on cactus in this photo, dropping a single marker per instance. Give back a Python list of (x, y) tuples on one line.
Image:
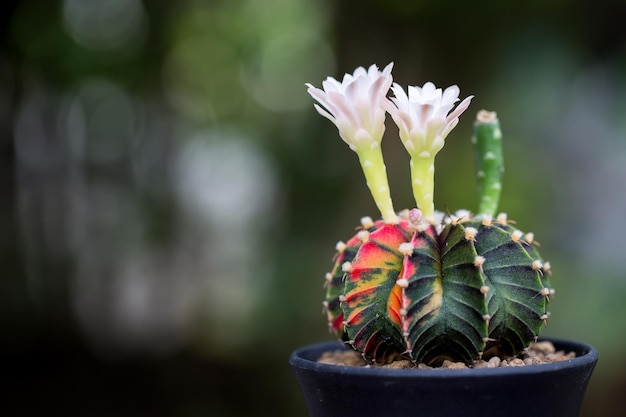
[(392, 235), (381, 249), (394, 305), (336, 323)]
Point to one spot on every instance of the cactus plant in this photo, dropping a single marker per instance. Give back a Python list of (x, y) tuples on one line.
[(420, 284)]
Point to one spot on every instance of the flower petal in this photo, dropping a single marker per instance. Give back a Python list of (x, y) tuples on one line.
[(460, 108), (357, 102), (425, 115)]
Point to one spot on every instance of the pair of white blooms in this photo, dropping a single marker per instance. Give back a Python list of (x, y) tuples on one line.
[(358, 105)]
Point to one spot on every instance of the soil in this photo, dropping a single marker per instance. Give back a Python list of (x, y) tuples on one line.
[(538, 353)]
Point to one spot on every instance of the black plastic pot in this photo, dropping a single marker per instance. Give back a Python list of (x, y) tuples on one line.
[(554, 390)]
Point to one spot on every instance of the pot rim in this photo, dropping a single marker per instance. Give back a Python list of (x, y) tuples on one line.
[(306, 356)]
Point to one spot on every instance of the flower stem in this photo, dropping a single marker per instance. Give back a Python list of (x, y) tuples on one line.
[(489, 161), (423, 183), (375, 172)]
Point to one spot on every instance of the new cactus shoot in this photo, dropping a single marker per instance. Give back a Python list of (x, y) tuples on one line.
[(487, 142)]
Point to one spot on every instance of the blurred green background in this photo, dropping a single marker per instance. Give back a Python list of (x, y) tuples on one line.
[(170, 198)]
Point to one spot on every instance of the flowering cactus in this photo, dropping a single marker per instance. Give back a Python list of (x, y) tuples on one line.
[(419, 284)]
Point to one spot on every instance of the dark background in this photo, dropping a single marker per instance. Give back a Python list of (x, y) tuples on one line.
[(170, 200)]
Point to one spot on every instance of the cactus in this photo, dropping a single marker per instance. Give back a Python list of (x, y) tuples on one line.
[(431, 287)]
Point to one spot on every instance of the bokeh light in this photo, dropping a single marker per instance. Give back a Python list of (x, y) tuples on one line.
[(114, 24)]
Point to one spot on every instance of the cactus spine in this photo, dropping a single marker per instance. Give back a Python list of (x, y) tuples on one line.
[(461, 288)]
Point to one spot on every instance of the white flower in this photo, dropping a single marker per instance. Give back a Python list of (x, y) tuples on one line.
[(356, 104), (424, 117)]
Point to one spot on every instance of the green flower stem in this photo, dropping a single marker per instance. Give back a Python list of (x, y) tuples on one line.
[(375, 172), (487, 141), (423, 183)]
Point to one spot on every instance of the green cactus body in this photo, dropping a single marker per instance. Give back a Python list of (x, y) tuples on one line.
[(462, 288)]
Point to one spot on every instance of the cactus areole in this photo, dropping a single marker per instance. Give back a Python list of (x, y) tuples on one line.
[(420, 284)]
